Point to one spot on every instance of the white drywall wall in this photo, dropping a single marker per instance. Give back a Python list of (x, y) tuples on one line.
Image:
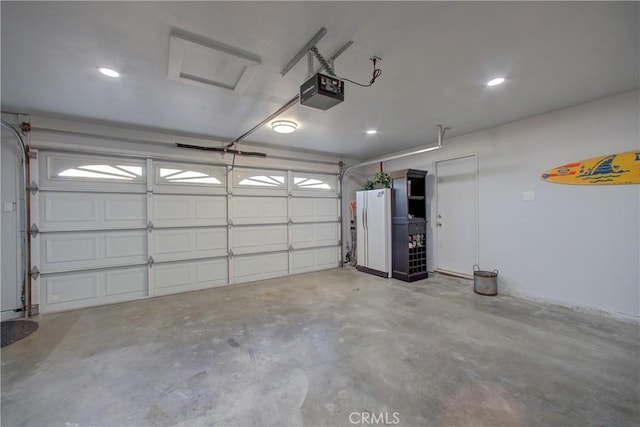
[(575, 245)]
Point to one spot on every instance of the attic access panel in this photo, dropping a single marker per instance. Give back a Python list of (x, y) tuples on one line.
[(204, 62)]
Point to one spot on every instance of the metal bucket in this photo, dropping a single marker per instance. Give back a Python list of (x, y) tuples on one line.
[(485, 282)]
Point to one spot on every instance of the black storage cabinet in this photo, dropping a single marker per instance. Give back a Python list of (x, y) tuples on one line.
[(409, 224)]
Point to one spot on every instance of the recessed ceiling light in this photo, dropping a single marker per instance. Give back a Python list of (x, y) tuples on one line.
[(284, 126), (109, 72), (372, 132), (495, 82)]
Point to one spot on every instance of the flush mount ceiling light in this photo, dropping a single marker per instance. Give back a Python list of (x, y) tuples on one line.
[(372, 132), (495, 82), (284, 126), (109, 72)]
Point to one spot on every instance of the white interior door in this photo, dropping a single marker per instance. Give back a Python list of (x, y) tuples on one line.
[(11, 275), (456, 215)]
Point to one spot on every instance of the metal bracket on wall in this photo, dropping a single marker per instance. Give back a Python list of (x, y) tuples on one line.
[(150, 262), (34, 231), (35, 273), (230, 253), (32, 309), (150, 226), (33, 188)]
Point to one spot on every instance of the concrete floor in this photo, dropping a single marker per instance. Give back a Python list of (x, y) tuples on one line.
[(334, 348)]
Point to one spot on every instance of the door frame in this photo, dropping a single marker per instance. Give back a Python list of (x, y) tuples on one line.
[(21, 281), (476, 213)]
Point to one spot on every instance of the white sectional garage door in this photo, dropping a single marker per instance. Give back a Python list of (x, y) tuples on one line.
[(187, 227), (89, 230), (108, 230)]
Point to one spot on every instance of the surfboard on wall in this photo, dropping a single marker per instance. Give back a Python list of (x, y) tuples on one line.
[(621, 168)]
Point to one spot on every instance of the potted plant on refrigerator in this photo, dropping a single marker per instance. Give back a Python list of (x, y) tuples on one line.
[(379, 180)]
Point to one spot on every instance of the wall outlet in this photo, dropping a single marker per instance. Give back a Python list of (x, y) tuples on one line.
[(529, 196)]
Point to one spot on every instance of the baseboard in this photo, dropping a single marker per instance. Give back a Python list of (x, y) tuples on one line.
[(453, 274), (570, 305)]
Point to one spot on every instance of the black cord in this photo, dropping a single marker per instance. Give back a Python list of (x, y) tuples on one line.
[(376, 73)]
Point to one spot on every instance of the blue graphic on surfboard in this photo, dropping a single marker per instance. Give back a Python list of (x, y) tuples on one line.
[(621, 168)]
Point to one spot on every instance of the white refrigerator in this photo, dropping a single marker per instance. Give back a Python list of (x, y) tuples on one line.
[(374, 231)]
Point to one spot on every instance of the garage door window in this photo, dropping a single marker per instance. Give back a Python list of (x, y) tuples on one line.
[(314, 185), (310, 183), (263, 179), (71, 168), (174, 173)]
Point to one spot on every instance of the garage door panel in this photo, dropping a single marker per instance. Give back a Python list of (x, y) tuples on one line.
[(186, 210), (314, 234), (126, 281), (124, 208), (306, 260), (66, 291), (214, 272), (126, 246), (71, 287), (70, 207), (78, 211), (263, 238), (69, 249), (168, 242), (259, 210), (211, 208), (171, 275), (190, 275), (314, 210), (65, 251), (264, 266), (171, 208), (213, 239), (182, 244)]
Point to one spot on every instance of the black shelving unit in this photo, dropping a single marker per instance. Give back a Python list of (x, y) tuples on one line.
[(409, 231)]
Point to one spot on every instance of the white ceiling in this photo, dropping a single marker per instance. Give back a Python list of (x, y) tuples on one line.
[(436, 58)]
